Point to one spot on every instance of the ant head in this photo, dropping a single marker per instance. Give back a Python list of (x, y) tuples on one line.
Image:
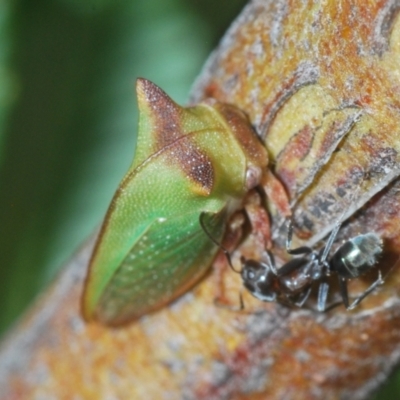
[(259, 279)]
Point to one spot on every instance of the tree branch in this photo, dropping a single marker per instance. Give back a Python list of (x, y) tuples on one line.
[(319, 82)]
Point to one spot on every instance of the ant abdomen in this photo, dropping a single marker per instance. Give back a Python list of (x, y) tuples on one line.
[(356, 256)]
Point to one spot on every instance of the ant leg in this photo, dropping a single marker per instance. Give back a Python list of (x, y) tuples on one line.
[(298, 250), (289, 301), (322, 296), (241, 302), (303, 298), (322, 299), (286, 302), (343, 291), (330, 241), (296, 264), (363, 295), (222, 304), (332, 306), (268, 259)]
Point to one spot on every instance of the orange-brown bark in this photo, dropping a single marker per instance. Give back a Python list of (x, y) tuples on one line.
[(319, 81)]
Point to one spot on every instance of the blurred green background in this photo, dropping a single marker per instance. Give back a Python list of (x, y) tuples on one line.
[(68, 117)]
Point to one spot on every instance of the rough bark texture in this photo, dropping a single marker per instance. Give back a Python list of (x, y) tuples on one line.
[(320, 82)]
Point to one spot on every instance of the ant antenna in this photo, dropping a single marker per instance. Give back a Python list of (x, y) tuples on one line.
[(226, 252)]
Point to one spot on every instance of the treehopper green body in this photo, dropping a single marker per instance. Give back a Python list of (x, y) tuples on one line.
[(188, 162)]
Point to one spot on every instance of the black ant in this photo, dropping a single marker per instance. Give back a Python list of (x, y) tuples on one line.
[(291, 284)]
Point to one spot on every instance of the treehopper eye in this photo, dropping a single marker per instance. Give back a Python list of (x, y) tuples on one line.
[(188, 162)]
